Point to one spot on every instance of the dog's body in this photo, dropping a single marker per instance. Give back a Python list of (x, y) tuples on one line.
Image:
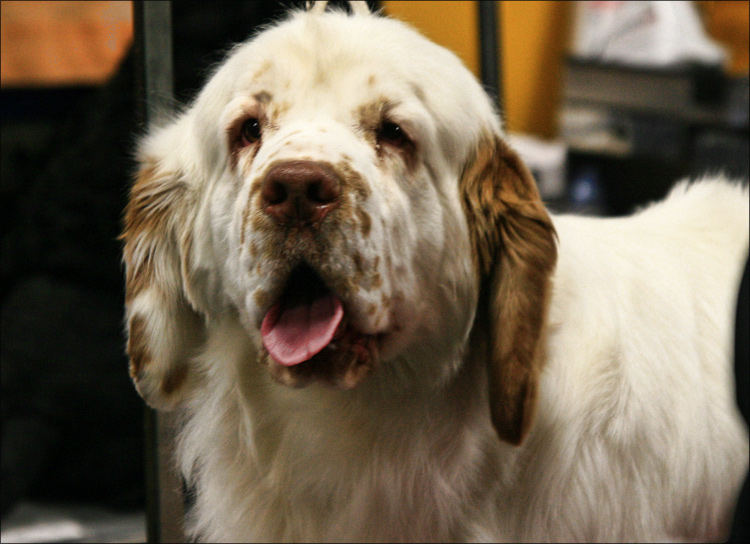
[(490, 379)]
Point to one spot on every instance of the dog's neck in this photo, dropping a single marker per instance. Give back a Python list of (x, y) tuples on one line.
[(319, 450)]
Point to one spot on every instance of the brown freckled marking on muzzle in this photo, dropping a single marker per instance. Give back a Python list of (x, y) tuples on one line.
[(344, 286), (377, 281), (254, 215), (366, 274), (250, 212), (254, 188), (385, 301), (365, 222), (137, 350), (280, 240), (371, 309), (245, 220), (352, 180), (174, 378), (359, 264), (261, 297)]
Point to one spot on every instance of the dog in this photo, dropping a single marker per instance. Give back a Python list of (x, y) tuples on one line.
[(346, 282)]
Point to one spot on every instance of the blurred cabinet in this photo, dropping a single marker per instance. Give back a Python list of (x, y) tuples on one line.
[(633, 132)]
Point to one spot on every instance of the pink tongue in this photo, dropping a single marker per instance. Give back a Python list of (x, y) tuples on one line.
[(294, 332)]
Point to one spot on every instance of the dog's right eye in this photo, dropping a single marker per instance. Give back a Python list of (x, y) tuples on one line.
[(392, 133), (250, 131)]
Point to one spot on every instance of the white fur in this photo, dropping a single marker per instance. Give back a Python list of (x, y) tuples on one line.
[(636, 436)]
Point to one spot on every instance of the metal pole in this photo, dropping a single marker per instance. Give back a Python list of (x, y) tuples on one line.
[(153, 47), (490, 61), (152, 22)]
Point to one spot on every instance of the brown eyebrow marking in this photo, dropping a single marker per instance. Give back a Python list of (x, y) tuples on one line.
[(371, 114), (264, 97)]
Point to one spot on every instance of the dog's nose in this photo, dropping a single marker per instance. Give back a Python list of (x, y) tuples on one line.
[(300, 192)]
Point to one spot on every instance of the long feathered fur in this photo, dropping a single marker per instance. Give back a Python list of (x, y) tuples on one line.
[(535, 377)]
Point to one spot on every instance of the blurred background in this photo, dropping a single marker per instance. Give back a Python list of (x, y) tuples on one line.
[(608, 102)]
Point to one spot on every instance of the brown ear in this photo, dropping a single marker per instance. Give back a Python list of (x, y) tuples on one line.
[(513, 241), (164, 330)]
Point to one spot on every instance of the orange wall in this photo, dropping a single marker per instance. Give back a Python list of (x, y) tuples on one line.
[(534, 38), (451, 24), (729, 23), (51, 43), (54, 43)]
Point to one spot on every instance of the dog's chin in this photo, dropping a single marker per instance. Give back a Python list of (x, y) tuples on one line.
[(343, 364), (311, 335)]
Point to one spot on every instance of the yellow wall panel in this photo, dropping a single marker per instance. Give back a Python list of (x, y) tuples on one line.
[(451, 24), (62, 43), (534, 38)]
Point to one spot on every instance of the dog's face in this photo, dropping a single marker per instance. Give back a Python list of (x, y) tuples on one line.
[(342, 187), (341, 193)]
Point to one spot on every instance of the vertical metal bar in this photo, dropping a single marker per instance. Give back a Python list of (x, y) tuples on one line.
[(490, 61), (171, 512), (152, 21), (153, 43)]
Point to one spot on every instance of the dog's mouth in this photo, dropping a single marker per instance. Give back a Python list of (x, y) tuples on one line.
[(308, 336)]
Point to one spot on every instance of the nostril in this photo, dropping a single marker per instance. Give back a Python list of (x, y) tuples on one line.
[(322, 192), (274, 193)]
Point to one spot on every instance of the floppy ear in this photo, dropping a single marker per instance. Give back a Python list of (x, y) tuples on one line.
[(514, 252), (164, 328)]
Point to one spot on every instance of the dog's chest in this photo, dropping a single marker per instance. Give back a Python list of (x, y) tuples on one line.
[(336, 480)]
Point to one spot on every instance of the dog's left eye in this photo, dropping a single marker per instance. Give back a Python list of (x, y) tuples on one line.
[(392, 134), (250, 131)]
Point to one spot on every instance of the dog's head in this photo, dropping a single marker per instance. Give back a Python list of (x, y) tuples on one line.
[(342, 186)]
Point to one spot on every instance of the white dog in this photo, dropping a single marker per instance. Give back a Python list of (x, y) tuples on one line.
[(347, 282)]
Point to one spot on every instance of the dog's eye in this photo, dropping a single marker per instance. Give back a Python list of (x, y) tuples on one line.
[(250, 131), (392, 134)]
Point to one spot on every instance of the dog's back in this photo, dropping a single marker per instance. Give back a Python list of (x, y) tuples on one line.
[(638, 376)]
